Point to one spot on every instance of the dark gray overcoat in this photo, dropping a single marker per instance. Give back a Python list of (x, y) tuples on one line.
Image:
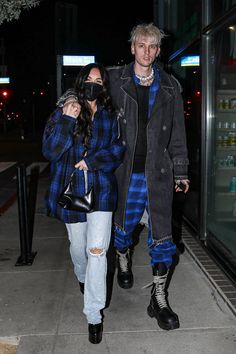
[(166, 146)]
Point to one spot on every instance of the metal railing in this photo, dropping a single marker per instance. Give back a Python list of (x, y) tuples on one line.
[(26, 217)]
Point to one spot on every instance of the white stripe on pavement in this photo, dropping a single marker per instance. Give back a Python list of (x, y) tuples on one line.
[(5, 165), (42, 166)]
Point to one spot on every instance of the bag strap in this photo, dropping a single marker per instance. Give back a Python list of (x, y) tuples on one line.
[(72, 175), (86, 181)]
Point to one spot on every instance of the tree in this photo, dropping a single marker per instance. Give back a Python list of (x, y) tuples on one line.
[(11, 9)]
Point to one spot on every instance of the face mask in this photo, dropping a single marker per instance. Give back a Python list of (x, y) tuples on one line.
[(92, 90)]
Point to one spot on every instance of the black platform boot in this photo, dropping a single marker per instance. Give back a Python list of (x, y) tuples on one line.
[(159, 307), (95, 333), (124, 275)]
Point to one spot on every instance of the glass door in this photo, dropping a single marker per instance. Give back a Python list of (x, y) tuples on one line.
[(187, 70), (221, 197)]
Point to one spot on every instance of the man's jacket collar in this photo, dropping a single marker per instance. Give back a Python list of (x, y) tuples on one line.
[(129, 87)]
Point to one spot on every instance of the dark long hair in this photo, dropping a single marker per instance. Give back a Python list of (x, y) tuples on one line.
[(84, 121)]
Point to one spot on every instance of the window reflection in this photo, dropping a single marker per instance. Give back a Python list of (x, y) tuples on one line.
[(189, 76), (222, 187), (219, 7)]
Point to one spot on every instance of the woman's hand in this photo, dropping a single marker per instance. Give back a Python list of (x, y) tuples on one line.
[(71, 108), (182, 185), (82, 165)]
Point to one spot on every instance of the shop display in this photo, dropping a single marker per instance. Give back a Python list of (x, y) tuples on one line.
[(225, 171)]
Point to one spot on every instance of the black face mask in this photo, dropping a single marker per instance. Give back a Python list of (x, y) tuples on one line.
[(92, 90)]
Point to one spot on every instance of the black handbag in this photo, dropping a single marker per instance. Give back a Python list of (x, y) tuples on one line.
[(68, 200)]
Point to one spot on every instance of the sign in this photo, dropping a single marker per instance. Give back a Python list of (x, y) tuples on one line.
[(191, 60), (4, 80), (78, 60)]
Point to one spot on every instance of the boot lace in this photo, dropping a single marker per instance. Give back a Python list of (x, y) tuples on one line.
[(159, 290), (123, 261)]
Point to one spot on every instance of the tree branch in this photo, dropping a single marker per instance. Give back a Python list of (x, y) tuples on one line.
[(11, 9)]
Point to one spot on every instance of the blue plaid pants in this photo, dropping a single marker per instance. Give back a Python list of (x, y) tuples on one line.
[(137, 202)]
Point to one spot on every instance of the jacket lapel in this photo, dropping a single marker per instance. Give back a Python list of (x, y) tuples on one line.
[(128, 85)]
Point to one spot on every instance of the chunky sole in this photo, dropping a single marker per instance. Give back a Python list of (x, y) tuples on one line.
[(95, 337), (95, 340), (125, 286), (162, 325)]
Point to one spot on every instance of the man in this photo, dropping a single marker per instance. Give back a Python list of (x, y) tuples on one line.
[(150, 111)]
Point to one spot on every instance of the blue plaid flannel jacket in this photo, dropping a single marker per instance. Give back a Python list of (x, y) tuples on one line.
[(64, 150)]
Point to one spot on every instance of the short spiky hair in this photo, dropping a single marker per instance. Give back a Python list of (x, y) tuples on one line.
[(147, 30)]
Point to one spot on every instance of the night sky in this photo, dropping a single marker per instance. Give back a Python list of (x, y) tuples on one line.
[(29, 40), (102, 30)]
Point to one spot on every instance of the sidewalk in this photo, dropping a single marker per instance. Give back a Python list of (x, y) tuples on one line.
[(41, 305)]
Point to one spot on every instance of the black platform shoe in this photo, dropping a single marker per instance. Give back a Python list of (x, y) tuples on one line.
[(124, 274), (95, 333)]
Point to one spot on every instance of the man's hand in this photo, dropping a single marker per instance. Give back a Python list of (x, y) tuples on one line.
[(182, 185)]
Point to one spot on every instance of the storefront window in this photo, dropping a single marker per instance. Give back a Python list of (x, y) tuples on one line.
[(221, 219), (187, 70), (184, 18), (217, 8)]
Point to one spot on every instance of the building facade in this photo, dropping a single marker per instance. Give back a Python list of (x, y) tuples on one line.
[(201, 44)]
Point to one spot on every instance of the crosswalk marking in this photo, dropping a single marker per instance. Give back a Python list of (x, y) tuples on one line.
[(5, 165), (42, 166), (9, 196)]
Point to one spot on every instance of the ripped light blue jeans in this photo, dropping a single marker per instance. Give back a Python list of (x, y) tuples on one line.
[(89, 242)]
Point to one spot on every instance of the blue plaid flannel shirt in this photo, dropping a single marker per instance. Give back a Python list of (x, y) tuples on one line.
[(64, 150), (153, 88)]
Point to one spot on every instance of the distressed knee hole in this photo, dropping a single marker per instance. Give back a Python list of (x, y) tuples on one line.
[(96, 251)]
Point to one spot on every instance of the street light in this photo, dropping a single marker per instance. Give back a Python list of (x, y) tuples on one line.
[(4, 95)]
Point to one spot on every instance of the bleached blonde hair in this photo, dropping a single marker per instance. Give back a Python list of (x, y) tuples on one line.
[(147, 30)]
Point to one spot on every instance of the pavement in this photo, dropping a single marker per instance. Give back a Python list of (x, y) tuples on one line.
[(41, 305)]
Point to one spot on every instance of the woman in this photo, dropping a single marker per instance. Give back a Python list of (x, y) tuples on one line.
[(82, 134)]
